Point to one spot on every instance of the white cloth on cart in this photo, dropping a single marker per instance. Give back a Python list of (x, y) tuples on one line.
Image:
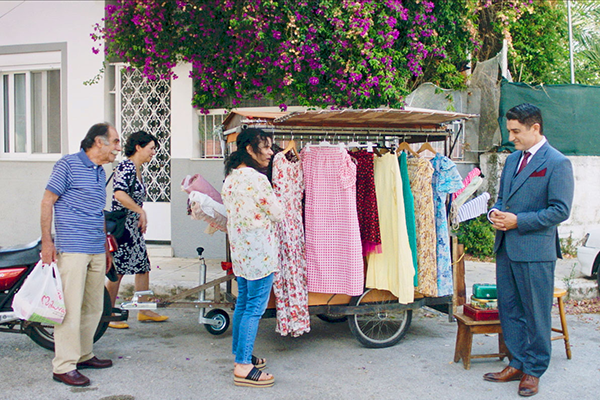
[(204, 208)]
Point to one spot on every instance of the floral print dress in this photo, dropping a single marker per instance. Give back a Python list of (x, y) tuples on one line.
[(252, 210), (131, 257), (290, 286), (420, 172), (445, 180)]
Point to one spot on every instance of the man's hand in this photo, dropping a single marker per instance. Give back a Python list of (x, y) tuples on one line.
[(48, 253), (503, 221)]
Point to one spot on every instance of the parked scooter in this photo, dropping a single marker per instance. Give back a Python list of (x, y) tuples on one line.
[(16, 263)]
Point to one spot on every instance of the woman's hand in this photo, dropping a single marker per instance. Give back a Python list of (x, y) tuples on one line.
[(130, 204), (143, 221)]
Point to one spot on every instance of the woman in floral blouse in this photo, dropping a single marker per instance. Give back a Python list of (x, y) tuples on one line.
[(252, 209)]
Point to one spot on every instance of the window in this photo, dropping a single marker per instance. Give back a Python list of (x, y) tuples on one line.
[(210, 142), (31, 111)]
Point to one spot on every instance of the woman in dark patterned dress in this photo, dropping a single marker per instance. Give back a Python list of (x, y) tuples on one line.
[(130, 192)]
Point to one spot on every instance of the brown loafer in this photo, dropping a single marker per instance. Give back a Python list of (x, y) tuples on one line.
[(529, 385), (95, 363), (506, 375), (72, 378)]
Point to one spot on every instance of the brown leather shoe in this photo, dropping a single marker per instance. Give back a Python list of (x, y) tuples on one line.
[(72, 378), (94, 362), (528, 386), (506, 375)]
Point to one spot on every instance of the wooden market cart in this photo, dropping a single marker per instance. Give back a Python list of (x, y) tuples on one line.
[(375, 318)]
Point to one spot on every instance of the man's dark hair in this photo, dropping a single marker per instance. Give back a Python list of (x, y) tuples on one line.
[(527, 114), (140, 137), (100, 129), (252, 137)]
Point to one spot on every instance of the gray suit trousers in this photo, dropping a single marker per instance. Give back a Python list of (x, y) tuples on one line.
[(525, 296)]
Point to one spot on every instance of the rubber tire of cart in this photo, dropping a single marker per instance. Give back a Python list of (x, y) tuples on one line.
[(378, 330), (333, 318), (221, 317), (44, 334)]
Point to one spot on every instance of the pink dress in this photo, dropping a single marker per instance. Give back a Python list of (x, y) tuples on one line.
[(289, 286), (333, 247)]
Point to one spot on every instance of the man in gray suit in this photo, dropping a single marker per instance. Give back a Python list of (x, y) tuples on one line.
[(536, 193)]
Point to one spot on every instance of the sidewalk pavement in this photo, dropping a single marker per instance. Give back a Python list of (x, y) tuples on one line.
[(170, 275)]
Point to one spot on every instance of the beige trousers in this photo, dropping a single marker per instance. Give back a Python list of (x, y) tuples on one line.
[(82, 278)]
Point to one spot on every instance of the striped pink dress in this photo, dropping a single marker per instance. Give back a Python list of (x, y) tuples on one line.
[(334, 260)]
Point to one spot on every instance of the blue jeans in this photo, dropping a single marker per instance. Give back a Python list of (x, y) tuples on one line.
[(251, 304)]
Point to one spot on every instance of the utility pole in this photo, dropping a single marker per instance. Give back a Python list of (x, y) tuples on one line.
[(571, 42)]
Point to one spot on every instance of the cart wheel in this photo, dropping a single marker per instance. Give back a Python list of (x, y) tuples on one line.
[(221, 317), (333, 318), (380, 329)]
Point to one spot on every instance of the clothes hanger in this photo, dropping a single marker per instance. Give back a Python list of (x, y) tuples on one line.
[(291, 146), (354, 144), (404, 146), (426, 146)]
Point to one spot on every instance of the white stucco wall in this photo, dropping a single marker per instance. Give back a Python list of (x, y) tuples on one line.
[(32, 25), (71, 22)]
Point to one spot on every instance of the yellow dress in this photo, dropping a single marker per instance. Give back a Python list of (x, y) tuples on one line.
[(392, 269)]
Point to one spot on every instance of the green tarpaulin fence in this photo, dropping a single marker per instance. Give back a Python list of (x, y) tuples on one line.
[(571, 114)]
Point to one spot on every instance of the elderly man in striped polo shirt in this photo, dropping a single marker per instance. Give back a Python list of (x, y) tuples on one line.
[(76, 195)]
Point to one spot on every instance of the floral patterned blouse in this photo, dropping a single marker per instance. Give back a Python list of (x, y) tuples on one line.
[(252, 209)]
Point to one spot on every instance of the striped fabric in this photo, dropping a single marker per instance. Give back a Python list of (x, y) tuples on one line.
[(78, 217), (474, 208)]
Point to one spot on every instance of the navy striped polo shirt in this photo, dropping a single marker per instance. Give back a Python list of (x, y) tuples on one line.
[(78, 216)]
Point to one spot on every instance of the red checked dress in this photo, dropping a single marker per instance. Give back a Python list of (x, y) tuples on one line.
[(333, 247), (289, 286)]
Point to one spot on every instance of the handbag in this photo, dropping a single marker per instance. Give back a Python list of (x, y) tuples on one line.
[(115, 220), (41, 299), (111, 271)]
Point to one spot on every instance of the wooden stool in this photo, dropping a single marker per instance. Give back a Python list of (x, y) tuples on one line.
[(467, 327), (564, 333)]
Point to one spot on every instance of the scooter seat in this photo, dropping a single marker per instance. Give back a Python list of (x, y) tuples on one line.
[(21, 254)]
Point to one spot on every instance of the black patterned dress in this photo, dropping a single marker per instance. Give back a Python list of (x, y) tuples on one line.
[(131, 256)]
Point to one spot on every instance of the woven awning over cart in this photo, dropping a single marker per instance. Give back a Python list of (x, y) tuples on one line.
[(413, 119), (410, 118)]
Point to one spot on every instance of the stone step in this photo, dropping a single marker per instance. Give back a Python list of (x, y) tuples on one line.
[(159, 250)]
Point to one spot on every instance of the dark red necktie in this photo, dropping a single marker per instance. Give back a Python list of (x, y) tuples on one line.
[(524, 161)]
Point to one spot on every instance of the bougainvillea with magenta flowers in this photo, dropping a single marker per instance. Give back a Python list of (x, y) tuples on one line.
[(341, 53)]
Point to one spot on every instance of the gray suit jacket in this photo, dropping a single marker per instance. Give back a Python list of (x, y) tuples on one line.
[(541, 197)]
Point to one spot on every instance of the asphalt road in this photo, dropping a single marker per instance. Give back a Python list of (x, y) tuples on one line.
[(179, 359)]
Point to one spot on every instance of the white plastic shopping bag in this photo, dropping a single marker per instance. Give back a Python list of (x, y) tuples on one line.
[(40, 299)]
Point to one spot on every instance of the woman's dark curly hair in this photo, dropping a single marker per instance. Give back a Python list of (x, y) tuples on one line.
[(140, 137), (252, 137)]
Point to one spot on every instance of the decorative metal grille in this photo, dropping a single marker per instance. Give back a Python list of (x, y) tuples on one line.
[(146, 105)]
